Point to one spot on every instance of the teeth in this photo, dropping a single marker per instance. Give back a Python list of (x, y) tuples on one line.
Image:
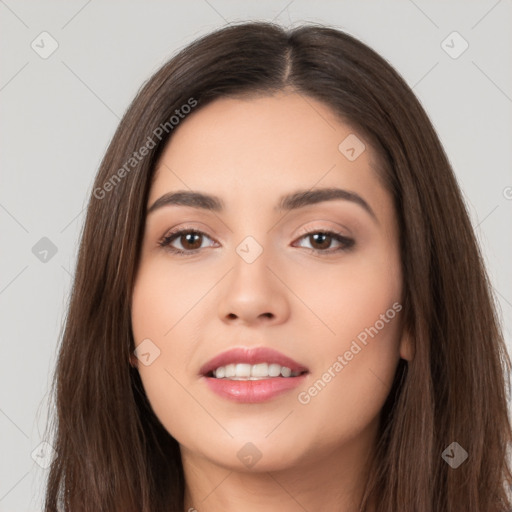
[(260, 370), (274, 370), (230, 370), (285, 372), (243, 371)]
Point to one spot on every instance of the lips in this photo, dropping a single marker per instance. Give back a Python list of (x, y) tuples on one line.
[(251, 356)]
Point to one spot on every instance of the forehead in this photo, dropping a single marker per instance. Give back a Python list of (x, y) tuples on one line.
[(259, 148)]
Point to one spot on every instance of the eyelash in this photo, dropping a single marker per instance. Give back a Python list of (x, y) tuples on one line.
[(347, 243)]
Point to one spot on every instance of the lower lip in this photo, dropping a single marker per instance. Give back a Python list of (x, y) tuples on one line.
[(253, 391)]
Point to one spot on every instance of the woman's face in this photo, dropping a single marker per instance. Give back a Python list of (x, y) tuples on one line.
[(253, 277)]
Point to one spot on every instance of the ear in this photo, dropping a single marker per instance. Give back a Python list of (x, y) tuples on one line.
[(134, 362), (406, 346)]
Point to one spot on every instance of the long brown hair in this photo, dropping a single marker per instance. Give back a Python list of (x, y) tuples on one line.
[(113, 454)]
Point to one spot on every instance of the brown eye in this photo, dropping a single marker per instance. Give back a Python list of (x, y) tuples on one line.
[(321, 241), (190, 241)]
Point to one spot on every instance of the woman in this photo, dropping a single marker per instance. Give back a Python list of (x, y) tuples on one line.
[(279, 301)]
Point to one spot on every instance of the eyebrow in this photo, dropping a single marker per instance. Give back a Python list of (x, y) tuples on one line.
[(293, 201)]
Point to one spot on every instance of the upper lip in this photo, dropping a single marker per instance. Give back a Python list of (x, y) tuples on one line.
[(251, 356)]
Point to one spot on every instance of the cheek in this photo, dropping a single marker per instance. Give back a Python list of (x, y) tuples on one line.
[(353, 371), (344, 299), (165, 311), (356, 361), (164, 298)]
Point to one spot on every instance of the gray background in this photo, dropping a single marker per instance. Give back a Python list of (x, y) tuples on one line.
[(58, 115)]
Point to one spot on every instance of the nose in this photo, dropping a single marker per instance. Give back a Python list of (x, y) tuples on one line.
[(253, 292)]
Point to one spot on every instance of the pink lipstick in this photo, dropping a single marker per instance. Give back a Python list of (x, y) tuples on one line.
[(253, 375)]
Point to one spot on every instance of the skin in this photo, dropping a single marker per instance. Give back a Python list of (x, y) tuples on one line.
[(308, 305)]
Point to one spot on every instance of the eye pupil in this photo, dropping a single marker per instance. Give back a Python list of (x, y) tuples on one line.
[(322, 237), (188, 236)]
